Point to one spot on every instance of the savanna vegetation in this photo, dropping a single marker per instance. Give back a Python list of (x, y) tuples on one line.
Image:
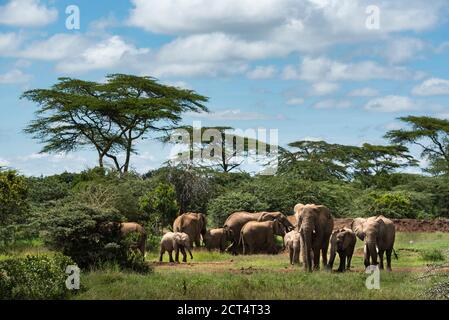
[(67, 213)]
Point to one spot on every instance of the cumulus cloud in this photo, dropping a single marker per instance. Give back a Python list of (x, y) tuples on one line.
[(261, 72), (403, 49), (332, 104), (321, 68), (432, 87), (323, 88), (26, 13), (295, 101), (108, 53), (233, 114), (392, 103), (14, 76), (9, 42), (363, 92)]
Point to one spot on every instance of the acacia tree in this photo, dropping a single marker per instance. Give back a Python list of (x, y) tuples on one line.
[(217, 147), (431, 135), (108, 116)]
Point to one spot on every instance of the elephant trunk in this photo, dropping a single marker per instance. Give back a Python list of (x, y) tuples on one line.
[(306, 241), (370, 253)]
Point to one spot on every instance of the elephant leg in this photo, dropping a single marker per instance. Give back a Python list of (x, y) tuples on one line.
[(291, 256), (184, 255), (177, 255), (349, 258), (342, 256), (388, 253), (197, 241), (170, 256), (324, 253), (381, 259), (161, 254), (316, 258)]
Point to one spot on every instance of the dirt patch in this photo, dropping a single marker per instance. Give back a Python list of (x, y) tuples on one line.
[(406, 225)]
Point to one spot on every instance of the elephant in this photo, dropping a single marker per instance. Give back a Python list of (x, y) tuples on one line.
[(194, 224), (126, 228), (216, 239), (175, 241), (378, 233), (237, 220), (342, 242), (259, 236), (315, 225), (292, 241), (292, 219)]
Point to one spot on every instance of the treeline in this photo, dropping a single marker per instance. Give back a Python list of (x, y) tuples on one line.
[(111, 118)]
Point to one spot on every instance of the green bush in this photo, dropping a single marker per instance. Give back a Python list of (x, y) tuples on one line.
[(34, 277), (160, 206), (395, 204), (221, 207), (433, 255), (91, 237)]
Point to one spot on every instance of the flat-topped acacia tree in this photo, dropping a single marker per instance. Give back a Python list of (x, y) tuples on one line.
[(110, 117)]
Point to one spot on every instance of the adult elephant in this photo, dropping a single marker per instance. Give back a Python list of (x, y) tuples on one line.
[(315, 225), (260, 236), (379, 234), (192, 223), (235, 222), (133, 227)]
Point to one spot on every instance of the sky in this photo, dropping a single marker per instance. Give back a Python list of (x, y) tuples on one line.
[(336, 70)]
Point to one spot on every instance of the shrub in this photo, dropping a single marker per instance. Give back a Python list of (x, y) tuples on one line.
[(91, 237), (160, 206), (34, 277), (221, 207), (433, 255), (396, 204)]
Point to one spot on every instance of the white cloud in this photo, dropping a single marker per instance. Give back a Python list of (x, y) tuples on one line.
[(14, 76), (26, 13), (58, 46), (363, 92), (432, 87), (261, 72), (9, 42), (392, 103), (403, 49), (295, 101), (324, 69), (108, 53), (323, 88), (232, 114), (332, 104)]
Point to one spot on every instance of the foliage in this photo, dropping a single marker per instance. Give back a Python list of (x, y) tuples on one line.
[(431, 135), (221, 207), (109, 117), (79, 232), (13, 193), (160, 206), (34, 277), (395, 204)]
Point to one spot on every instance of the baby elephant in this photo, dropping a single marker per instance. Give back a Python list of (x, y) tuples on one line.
[(342, 241), (293, 244), (215, 239), (175, 241)]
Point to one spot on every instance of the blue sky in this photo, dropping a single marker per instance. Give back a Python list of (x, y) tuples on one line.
[(313, 69)]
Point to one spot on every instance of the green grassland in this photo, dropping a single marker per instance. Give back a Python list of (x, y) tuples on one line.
[(212, 275)]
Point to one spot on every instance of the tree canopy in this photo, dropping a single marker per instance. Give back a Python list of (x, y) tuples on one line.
[(431, 135), (110, 116)]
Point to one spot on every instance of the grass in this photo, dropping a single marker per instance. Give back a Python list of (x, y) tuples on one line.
[(212, 275)]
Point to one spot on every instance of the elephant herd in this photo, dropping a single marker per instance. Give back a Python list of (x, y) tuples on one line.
[(306, 234)]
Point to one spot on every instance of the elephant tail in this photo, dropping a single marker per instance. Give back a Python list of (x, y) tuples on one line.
[(395, 254)]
